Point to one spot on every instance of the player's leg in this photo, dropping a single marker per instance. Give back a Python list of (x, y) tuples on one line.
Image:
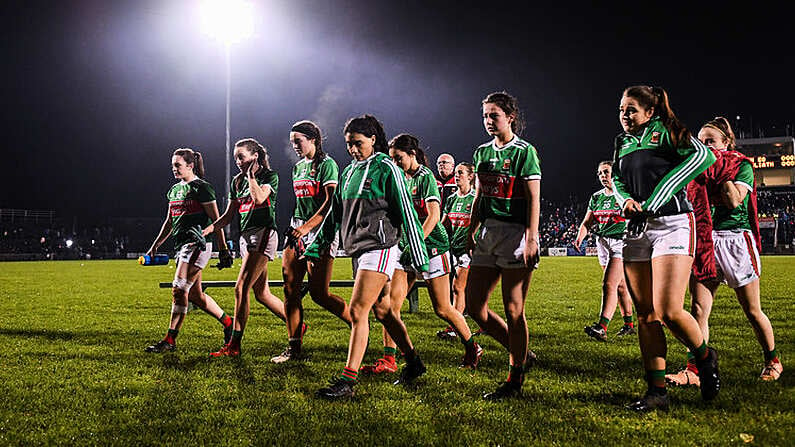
[(398, 286), (293, 272), (702, 294), (624, 304), (477, 295), (320, 272), (749, 298)]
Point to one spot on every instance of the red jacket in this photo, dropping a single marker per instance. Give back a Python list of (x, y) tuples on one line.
[(702, 191)]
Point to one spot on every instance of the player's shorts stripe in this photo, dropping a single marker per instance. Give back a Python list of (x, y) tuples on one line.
[(691, 223), (445, 263), (751, 251)]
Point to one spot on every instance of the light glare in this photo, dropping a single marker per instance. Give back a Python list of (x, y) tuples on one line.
[(229, 21)]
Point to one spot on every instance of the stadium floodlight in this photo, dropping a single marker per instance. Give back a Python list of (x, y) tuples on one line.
[(229, 21)]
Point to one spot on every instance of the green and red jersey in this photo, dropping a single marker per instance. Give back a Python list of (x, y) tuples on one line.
[(371, 208), (459, 210), (255, 216), (607, 212), (423, 189), (309, 184), (724, 218), (185, 208), (502, 173)]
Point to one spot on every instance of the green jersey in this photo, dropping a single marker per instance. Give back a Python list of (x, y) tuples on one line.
[(423, 189), (650, 170), (501, 173), (459, 210), (725, 219), (371, 208), (309, 185), (255, 216), (185, 202), (607, 212)]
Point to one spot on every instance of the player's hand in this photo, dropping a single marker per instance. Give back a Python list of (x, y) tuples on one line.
[(632, 208), (530, 255), (225, 259), (577, 244), (300, 232), (636, 225), (208, 230)]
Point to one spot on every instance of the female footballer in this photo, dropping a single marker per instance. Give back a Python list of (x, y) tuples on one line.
[(253, 196), (504, 233), (734, 231), (371, 207), (604, 217), (314, 181), (655, 158), (456, 217), (421, 184), (191, 206)]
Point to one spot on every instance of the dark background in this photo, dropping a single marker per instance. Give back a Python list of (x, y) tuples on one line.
[(97, 94)]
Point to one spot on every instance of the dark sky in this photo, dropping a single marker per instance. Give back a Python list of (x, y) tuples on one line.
[(97, 94)]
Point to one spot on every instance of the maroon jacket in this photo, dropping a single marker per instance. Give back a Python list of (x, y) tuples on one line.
[(702, 191)]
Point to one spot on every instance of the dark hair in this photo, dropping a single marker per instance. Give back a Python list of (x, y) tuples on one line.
[(192, 157), (411, 145), (722, 125), (254, 147), (312, 132), (369, 126), (657, 98), (510, 105), (471, 168)]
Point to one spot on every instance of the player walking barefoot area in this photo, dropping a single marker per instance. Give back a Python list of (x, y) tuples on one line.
[(191, 206)]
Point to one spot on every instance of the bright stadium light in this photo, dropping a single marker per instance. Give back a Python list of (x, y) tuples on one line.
[(229, 21)]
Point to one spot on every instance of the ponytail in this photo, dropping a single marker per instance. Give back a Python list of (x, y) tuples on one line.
[(411, 145), (369, 126), (657, 98), (192, 157), (722, 125)]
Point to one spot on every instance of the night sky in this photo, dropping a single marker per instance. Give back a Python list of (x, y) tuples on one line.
[(98, 94)]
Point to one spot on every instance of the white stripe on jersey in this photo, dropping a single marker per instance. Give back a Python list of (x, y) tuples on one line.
[(408, 205), (689, 168)]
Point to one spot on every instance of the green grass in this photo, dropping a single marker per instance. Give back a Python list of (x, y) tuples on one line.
[(73, 371)]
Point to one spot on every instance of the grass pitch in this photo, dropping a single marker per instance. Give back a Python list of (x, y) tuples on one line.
[(73, 370)]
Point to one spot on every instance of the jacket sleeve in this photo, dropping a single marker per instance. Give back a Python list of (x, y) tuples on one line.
[(697, 158), (619, 188), (328, 229), (398, 198)]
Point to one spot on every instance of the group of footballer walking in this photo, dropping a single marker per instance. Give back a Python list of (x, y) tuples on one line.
[(398, 223)]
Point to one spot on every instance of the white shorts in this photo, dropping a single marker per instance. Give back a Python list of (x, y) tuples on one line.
[(259, 240), (462, 261), (736, 257), (193, 254), (499, 243), (608, 247), (664, 235), (438, 265), (310, 237), (382, 261)]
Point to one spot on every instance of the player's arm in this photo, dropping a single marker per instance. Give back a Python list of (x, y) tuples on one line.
[(165, 231), (318, 217), (328, 227), (432, 219), (211, 209), (225, 219), (697, 158), (259, 193), (586, 223), (531, 248), (474, 221), (734, 191)]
